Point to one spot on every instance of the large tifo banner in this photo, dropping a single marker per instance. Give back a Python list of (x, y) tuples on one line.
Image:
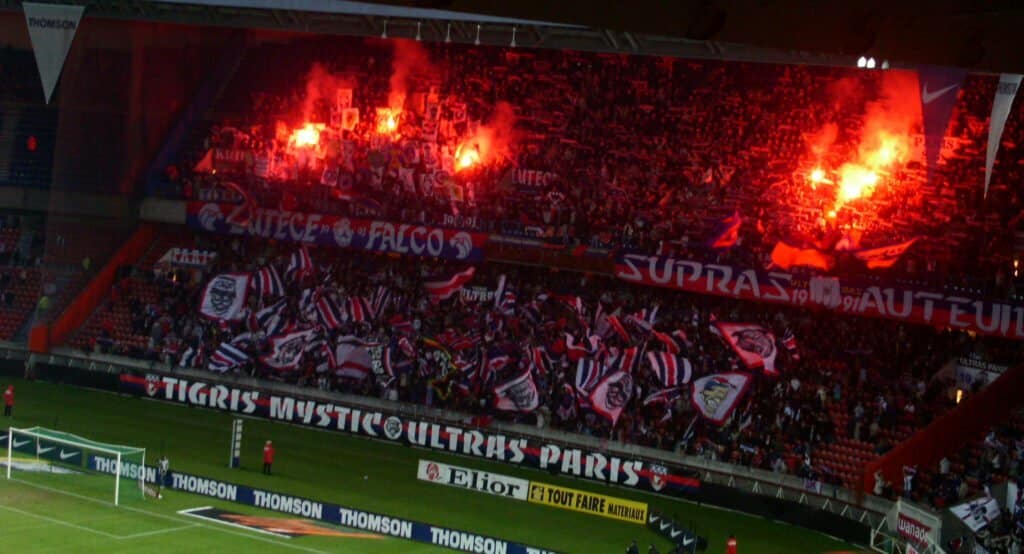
[(333, 230), (780, 287), (321, 511), (521, 451)]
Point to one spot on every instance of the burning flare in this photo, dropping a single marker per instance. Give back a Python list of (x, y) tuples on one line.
[(306, 136), (466, 157), (387, 120), (855, 181)]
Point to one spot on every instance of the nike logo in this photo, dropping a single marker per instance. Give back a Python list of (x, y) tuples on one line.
[(664, 526), (651, 518), (22, 443), (675, 533), (687, 541), (45, 450), (66, 455), (929, 96)]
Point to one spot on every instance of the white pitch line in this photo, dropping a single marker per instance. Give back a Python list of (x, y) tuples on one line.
[(191, 513), (61, 522), (174, 518), (158, 532)]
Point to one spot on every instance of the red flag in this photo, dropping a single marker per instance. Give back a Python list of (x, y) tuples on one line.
[(786, 257), (444, 289)]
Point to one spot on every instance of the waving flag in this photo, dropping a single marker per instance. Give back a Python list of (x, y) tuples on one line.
[(271, 319), (328, 313), (789, 341), (674, 342), (286, 350), (611, 395), (541, 360), (351, 357), (754, 344), (266, 282), (715, 396), (664, 396), (192, 357), (490, 364), (644, 319), (587, 374), (518, 395), (672, 370), (357, 309), (885, 256), (299, 265), (584, 349), (605, 325), (380, 301), (443, 289), (395, 363), (787, 257), (727, 233), (224, 297), (627, 360), (227, 356)]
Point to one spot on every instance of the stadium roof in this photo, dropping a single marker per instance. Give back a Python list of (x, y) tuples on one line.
[(981, 35)]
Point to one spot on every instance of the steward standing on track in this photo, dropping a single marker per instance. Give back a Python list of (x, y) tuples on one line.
[(268, 457), (9, 401)]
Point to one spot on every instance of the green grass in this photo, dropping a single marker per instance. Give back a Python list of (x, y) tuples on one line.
[(320, 465)]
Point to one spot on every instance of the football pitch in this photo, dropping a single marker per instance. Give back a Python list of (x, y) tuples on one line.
[(65, 513)]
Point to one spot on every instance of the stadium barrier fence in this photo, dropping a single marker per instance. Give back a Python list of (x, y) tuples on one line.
[(829, 509)]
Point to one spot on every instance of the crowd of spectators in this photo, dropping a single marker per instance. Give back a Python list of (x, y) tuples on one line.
[(868, 383), (646, 153)]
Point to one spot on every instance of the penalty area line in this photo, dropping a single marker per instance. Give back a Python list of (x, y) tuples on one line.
[(192, 513), (179, 519), (61, 522)]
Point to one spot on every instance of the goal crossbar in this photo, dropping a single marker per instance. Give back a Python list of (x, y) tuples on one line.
[(68, 439), (51, 436)]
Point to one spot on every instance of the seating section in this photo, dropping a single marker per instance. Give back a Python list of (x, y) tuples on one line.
[(19, 292), (644, 153), (854, 389)]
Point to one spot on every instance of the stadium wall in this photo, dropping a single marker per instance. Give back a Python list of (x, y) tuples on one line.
[(831, 512)]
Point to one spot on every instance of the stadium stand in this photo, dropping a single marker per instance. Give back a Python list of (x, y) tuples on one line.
[(648, 155), (853, 389), (590, 161)]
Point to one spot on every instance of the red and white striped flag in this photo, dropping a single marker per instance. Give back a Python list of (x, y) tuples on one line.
[(443, 289)]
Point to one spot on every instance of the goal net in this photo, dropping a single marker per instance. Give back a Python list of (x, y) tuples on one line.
[(76, 465)]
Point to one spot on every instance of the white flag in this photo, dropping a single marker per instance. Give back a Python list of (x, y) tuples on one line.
[(1005, 92), (224, 297), (51, 27), (716, 395)]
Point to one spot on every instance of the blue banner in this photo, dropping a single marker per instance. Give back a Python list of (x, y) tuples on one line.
[(337, 231), (322, 511)]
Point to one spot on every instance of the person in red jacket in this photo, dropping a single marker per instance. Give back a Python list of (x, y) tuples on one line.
[(730, 545), (268, 457), (9, 401)]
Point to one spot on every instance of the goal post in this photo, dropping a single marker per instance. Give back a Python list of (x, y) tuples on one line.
[(76, 465)]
